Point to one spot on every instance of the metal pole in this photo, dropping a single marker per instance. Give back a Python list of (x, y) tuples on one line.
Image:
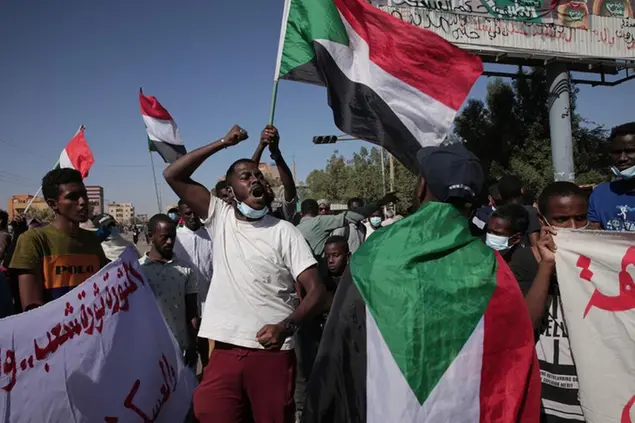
[(156, 188), (392, 173), (560, 122), (383, 170)]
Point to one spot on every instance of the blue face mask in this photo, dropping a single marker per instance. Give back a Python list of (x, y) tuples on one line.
[(375, 221), (624, 174), (249, 212), (497, 242), (173, 216)]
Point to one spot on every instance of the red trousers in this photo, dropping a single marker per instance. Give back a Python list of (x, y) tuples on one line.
[(243, 385)]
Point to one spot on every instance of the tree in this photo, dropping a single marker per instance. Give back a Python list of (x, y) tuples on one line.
[(361, 177), (509, 132), (43, 215)]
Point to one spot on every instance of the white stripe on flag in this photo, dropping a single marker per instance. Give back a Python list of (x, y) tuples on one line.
[(455, 398), (162, 130), (65, 161), (428, 122)]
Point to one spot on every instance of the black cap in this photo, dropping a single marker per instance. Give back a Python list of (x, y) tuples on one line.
[(451, 172)]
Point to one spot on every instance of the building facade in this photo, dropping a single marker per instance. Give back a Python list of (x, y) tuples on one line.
[(17, 204), (96, 199), (122, 212)]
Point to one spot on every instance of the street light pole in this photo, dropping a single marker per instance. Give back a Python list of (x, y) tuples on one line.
[(392, 173)]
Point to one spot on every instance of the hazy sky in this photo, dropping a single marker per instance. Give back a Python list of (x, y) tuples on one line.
[(210, 63)]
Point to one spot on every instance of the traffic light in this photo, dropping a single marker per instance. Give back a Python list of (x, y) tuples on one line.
[(325, 139)]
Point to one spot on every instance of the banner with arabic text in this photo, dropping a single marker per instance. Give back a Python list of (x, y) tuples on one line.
[(101, 353), (595, 275)]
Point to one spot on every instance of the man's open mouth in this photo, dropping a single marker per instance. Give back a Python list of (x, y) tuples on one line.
[(258, 191)]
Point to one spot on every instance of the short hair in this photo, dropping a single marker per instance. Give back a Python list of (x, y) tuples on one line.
[(4, 216), (232, 168), (181, 203), (158, 218), (559, 189), (516, 215), (173, 209), (337, 239), (510, 187), (309, 206), (220, 185), (56, 177), (622, 130), (353, 201)]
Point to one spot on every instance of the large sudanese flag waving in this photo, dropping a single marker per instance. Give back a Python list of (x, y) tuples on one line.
[(388, 82), (428, 325)]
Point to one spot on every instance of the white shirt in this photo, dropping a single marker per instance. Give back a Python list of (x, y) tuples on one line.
[(256, 265), (196, 249)]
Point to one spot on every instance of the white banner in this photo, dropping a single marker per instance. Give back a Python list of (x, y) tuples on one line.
[(101, 353), (595, 274)]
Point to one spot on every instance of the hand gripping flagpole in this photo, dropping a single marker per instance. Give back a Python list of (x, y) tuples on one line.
[(28, 206)]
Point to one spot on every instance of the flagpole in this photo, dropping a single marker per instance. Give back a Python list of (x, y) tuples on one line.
[(274, 96), (28, 206), (154, 176)]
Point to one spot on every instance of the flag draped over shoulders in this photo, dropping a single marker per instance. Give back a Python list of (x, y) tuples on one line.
[(428, 325)]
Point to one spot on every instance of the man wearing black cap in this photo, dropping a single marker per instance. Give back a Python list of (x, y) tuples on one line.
[(451, 175)]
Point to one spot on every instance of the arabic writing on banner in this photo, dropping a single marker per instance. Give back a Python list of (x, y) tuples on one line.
[(595, 275), (604, 29), (101, 353)]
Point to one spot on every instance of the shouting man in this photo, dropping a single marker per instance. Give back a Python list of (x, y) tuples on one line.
[(250, 311)]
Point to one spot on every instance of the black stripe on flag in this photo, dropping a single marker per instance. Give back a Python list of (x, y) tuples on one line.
[(337, 387), (357, 109), (169, 152)]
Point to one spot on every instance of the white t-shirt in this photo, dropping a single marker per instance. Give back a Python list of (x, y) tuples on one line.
[(256, 265), (196, 249)]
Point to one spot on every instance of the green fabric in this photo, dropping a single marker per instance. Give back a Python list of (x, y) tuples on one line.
[(151, 146), (309, 20), (427, 282)]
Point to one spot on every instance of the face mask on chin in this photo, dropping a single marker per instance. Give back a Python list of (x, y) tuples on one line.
[(497, 242), (624, 174), (248, 211)]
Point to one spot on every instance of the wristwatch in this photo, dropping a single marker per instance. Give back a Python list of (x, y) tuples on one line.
[(290, 326)]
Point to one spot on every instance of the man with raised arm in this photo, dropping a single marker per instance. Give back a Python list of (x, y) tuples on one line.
[(250, 312), (290, 199)]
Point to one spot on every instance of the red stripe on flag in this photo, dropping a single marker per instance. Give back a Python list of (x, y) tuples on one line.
[(510, 377), (151, 107), (80, 154), (414, 55)]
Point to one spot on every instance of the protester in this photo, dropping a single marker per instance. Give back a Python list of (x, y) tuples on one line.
[(374, 222), (512, 191), (109, 233), (406, 326), (222, 191), (316, 227), (52, 260), (337, 255), (258, 259), (271, 139), (194, 246), (354, 232), (506, 228), (612, 204), (324, 207), (5, 238), (563, 205), (174, 283)]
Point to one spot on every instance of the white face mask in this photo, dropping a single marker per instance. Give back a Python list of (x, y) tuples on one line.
[(624, 174), (497, 242)]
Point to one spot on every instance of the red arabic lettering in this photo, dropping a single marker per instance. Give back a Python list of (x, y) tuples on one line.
[(626, 412), (9, 368), (165, 390), (584, 262), (625, 300)]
